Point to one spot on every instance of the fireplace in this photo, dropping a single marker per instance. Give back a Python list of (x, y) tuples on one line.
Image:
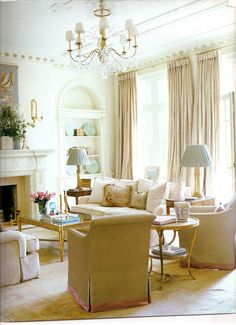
[(21, 172), (8, 202)]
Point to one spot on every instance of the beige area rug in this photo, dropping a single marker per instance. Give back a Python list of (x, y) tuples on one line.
[(46, 298)]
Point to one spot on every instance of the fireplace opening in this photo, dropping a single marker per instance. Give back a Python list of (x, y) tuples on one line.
[(8, 202)]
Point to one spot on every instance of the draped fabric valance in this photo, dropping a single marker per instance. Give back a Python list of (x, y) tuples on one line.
[(127, 76), (178, 63)]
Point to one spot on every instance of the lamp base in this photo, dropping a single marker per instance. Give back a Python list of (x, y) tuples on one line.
[(197, 194)]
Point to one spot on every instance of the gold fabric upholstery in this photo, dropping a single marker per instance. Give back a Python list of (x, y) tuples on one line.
[(108, 266)]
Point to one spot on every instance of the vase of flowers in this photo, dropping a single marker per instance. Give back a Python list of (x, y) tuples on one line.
[(42, 197), (13, 127)]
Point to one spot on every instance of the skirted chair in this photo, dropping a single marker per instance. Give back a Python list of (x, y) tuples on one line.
[(108, 263), (215, 245), (19, 260)]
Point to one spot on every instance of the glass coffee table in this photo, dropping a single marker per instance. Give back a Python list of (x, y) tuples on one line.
[(59, 227)]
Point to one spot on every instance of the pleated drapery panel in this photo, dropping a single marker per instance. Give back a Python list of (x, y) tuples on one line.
[(206, 110), (180, 116), (127, 124)]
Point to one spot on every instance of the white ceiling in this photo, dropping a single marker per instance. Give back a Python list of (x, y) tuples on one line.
[(165, 27)]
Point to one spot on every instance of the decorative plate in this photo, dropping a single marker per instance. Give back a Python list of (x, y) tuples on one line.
[(71, 170), (89, 129), (69, 130), (93, 167)]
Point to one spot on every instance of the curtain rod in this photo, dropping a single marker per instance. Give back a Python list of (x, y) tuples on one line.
[(177, 58)]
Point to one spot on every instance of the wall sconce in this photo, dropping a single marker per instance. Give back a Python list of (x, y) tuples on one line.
[(34, 112)]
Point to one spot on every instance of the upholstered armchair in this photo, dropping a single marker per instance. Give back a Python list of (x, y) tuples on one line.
[(19, 260), (215, 245), (108, 262)]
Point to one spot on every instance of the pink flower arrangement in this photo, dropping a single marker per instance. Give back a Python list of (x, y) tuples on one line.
[(41, 197)]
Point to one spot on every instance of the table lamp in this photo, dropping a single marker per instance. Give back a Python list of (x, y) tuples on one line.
[(196, 156), (78, 157)]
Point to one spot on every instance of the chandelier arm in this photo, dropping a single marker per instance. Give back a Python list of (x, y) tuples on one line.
[(122, 55), (86, 61)]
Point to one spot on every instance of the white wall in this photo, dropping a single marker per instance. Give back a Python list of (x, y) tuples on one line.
[(44, 82)]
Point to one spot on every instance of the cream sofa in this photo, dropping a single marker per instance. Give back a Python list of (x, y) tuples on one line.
[(19, 260), (155, 200)]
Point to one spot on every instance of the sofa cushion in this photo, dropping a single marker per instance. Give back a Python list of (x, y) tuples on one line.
[(125, 182), (139, 200), (97, 194), (144, 185), (232, 203), (98, 210), (117, 196), (155, 196), (176, 191)]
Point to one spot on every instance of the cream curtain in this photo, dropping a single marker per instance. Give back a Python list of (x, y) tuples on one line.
[(127, 122), (206, 110), (180, 116)]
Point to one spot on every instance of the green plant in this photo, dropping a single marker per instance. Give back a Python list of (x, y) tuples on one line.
[(7, 121), (12, 125)]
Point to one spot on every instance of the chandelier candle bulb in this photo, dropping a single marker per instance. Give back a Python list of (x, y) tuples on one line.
[(79, 28)]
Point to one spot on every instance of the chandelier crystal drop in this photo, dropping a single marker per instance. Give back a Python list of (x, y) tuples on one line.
[(106, 51)]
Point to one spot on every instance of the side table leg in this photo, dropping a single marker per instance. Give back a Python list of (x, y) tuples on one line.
[(61, 242), (160, 234), (190, 252)]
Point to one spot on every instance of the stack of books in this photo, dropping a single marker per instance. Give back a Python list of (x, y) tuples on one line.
[(65, 219), (162, 220), (169, 250)]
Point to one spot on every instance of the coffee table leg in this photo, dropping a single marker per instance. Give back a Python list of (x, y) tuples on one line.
[(61, 242), (19, 224)]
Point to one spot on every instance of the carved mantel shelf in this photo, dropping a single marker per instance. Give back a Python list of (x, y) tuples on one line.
[(22, 162)]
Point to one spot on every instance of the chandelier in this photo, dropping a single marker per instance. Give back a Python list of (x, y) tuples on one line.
[(106, 50)]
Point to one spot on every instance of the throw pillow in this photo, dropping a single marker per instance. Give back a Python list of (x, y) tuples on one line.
[(232, 203), (144, 185), (117, 196), (219, 208), (97, 194), (139, 200), (125, 182), (155, 196), (176, 191)]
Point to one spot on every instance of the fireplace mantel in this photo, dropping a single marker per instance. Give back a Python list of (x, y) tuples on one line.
[(19, 162), (27, 170)]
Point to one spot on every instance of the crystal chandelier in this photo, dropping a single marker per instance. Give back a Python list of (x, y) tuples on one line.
[(112, 51)]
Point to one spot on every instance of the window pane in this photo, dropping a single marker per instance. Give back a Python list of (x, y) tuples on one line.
[(152, 130)]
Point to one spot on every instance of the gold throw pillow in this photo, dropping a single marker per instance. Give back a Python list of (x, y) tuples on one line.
[(139, 200), (117, 196)]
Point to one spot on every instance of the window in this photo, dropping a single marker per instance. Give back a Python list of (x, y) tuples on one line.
[(152, 127), (227, 160)]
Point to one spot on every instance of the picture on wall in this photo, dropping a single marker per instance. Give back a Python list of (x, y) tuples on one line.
[(9, 85), (152, 173)]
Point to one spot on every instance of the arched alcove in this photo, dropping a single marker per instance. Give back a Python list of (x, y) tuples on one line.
[(78, 94)]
